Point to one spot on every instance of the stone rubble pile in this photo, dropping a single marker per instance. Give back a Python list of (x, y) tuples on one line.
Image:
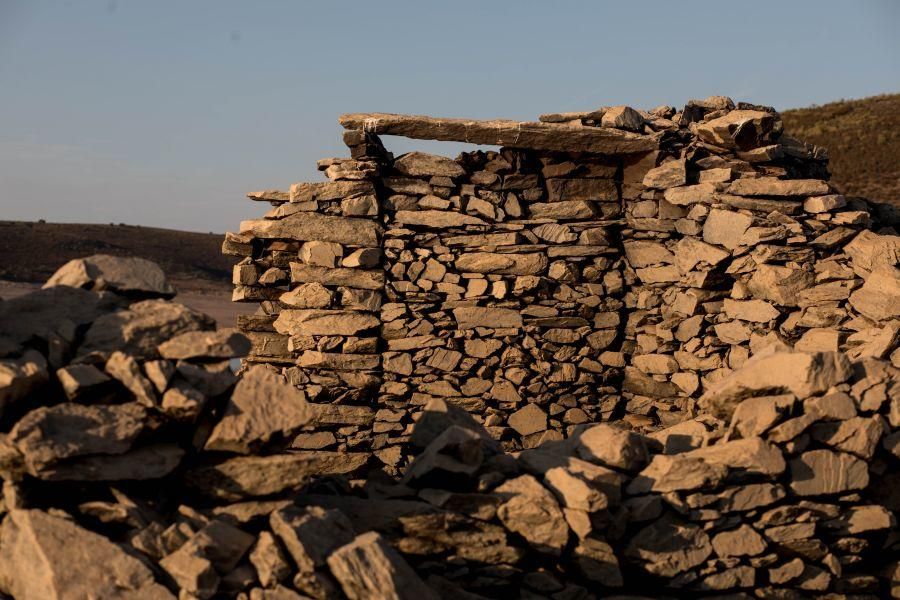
[(785, 488), (119, 410), (136, 464), (601, 266)]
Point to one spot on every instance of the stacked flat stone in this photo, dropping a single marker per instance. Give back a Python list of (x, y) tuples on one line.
[(315, 265), (605, 265), (735, 241), (504, 284)]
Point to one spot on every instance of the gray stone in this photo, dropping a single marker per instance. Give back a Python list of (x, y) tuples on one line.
[(225, 343), (771, 186), (369, 569), (528, 419), (799, 373), (310, 226), (612, 446), (123, 275), (740, 129), (668, 175), (353, 278), (668, 547), (42, 557), (532, 512), (435, 219), (503, 264), (725, 228), (311, 534), (324, 322), (48, 435), (142, 328), (820, 472), (252, 476), (469, 317), (420, 164), (263, 405)]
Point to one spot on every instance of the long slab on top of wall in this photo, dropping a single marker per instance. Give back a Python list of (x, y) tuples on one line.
[(503, 132)]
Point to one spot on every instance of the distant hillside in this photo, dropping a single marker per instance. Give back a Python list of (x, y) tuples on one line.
[(31, 252), (863, 141)]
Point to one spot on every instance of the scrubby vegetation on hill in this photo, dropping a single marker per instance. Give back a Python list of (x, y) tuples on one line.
[(862, 139)]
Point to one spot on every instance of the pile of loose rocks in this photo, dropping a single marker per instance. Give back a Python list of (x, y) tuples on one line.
[(119, 408), (606, 265), (137, 464)]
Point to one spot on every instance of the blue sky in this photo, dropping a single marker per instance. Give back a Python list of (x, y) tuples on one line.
[(166, 112)]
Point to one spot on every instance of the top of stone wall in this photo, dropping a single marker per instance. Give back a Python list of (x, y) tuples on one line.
[(566, 136)]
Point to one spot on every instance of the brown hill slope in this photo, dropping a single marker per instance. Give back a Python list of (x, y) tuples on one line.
[(863, 141), (31, 252)]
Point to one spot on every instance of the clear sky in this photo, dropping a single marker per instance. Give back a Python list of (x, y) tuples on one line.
[(165, 112)]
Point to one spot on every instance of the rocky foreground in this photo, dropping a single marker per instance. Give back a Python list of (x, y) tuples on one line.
[(137, 465)]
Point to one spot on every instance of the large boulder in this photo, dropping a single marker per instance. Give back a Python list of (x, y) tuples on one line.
[(802, 374), (47, 315), (48, 437), (47, 557), (129, 276), (142, 328)]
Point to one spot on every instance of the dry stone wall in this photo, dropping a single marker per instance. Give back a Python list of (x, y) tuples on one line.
[(606, 265), (504, 284), (136, 464)]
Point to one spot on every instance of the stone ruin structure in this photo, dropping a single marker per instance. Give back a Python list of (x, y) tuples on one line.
[(605, 265), (631, 355)]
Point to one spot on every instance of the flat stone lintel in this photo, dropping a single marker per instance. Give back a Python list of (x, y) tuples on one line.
[(503, 132)]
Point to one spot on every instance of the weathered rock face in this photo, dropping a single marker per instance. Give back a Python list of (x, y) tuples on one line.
[(799, 373), (142, 328), (48, 435), (49, 316), (251, 418), (43, 557), (257, 476), (123, 275), (367, 567), (205, 344)]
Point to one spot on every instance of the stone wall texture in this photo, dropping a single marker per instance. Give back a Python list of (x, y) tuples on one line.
[(630, 355), (611, 265)]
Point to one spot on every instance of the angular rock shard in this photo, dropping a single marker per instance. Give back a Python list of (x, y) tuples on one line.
[(42, 557), (263, 405)]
